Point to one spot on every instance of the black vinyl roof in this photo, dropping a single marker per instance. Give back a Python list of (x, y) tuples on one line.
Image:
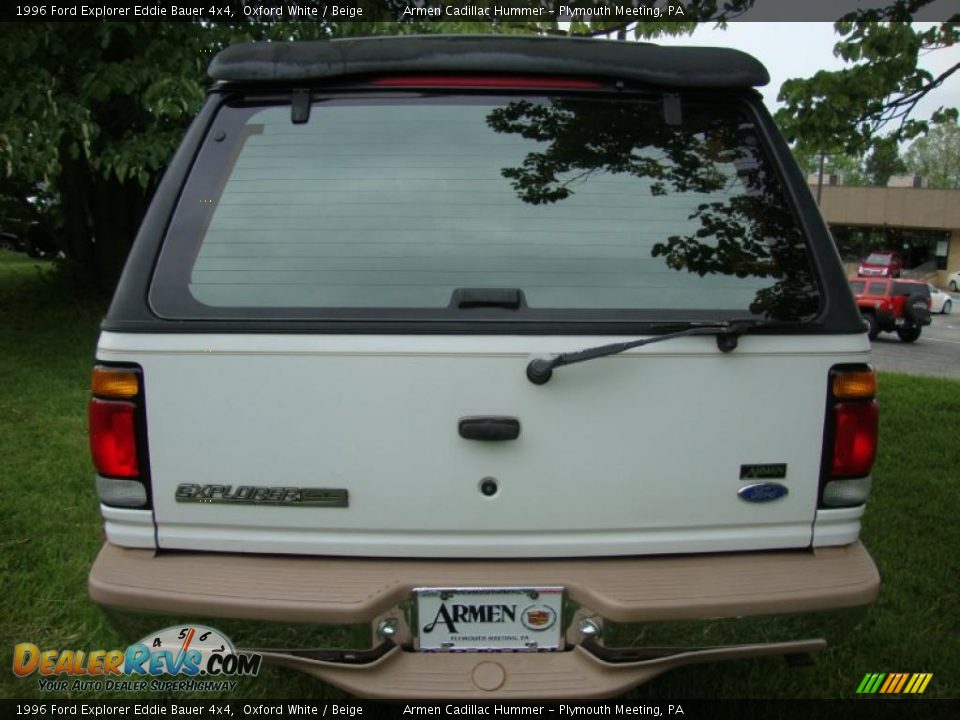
[(680, 67)]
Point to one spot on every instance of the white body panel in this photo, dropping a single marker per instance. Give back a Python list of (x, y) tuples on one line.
[(129, 528), (634, 454), (837, 526)]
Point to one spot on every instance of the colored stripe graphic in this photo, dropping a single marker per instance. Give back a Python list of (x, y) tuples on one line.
[(891, 680), (897, 683), (894, 683), (901, 682)]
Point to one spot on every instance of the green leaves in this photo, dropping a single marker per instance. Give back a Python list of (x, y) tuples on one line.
[(937, 156), (853, 109)]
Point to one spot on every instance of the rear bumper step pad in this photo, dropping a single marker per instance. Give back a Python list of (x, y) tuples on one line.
[(515, 676), (348, 590)]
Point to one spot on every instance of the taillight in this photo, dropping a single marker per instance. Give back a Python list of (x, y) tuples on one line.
[(116, 435), (113, 438), (854, 439), (851, 436), (108, 382)]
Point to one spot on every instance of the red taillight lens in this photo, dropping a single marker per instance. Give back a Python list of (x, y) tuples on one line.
[(113, 438), (855, 439)]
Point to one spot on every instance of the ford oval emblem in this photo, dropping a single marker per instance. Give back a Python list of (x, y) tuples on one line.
[(762, 492)]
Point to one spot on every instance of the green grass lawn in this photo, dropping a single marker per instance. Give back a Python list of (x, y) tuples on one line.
[(50, 528)]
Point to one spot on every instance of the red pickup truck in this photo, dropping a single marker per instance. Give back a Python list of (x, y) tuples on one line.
[(901, 306)]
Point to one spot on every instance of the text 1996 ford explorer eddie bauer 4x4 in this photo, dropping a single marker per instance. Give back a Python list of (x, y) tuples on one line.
[(488, 346)]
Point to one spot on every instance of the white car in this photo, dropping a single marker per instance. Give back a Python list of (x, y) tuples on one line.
[(486, 344), (940, 302), (953, 281)]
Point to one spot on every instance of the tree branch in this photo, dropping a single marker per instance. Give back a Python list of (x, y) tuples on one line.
[(932, 85)]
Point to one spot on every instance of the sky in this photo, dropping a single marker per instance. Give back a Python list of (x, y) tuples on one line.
[(796, 49)]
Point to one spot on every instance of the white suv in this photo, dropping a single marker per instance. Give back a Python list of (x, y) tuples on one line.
[(486, 344)]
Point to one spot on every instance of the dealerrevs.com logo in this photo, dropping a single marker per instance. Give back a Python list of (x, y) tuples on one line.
[(202, 655)]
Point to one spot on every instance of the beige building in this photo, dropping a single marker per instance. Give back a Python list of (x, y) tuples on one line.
[(922, 223)]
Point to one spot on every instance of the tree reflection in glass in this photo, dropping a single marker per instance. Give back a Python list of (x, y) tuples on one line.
[(745, 228)]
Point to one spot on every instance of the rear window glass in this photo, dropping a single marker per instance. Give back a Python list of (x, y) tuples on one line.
[(857, 286), (877, 289), (880, 259), (900, 288), (389, 206)]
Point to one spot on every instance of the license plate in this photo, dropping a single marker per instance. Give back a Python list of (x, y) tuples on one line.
[(899, 322), (489, 618)]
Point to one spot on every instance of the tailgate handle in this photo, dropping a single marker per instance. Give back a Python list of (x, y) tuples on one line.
[(489, 428), (508, 298)]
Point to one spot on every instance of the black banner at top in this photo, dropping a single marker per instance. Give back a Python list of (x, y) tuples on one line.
[(492, 11), (352, 709)]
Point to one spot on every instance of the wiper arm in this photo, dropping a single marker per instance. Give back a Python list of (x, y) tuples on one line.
[(540, 370)]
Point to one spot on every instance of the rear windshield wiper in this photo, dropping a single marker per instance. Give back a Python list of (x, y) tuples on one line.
[(540, 370)]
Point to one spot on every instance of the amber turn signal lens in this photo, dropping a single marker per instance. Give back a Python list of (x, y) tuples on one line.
[(115, 382), (855, 384)]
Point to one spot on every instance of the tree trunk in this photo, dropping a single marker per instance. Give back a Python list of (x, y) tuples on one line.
[(76, 239), (101, 217), (116, 209)]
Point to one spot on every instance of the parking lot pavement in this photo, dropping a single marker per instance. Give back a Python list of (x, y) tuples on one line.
[(936, 352)]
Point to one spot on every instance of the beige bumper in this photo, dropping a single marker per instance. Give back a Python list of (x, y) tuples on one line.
[(648, 590), (349, 590), (514, 676)]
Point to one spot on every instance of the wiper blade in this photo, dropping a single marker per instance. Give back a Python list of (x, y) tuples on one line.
[(540, 370)]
